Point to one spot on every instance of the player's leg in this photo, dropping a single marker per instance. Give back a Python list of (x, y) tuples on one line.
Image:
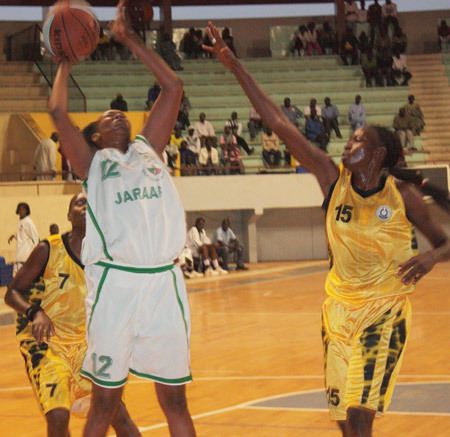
[(123, 424), (105, 404), (58, 422), (172, 399), (359, 422)]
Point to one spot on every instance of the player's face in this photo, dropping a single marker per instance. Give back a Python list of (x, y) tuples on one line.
[(358, 152), (112, 126), (77, 214)]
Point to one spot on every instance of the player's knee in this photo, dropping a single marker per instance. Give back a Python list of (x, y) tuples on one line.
[(173, 400), (58, 420)]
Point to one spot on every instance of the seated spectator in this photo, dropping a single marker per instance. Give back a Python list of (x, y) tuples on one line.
[(330, 114), (370, 68), (271, 148), (383, 42), (313, 42), (415, 113), (403, 126), (384, 65), (389, 11), (204, 129), (153, 94), (399, 68), (186, 262), (357, 114), (200, 245), (227, 243), (119, 103), (183, 114), (176, 138), (399, 40), (291, 112), (351, 14), (188, 45), (328, 39), (209, 158), (375, 19), (193, 141), (171, 156), (296, 45), (255, 124), (188, 161), (227, 139), (363, 42), (236, 129), (232, 160), (312, 107), (349, 47), (167, 50), (314, 131), (228, 40), (443, 36)]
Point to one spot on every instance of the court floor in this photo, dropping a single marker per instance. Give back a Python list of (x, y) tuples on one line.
[(257, 362)]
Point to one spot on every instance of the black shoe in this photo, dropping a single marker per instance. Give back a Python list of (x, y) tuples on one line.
[(241, 267), (251, 151)]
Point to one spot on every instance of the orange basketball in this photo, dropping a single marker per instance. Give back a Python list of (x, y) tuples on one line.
[(71, 30)]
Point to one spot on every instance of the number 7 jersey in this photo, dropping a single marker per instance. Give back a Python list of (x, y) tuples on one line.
[(368, 236)]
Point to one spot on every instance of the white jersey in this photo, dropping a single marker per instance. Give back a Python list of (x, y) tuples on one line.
[(135, 214)]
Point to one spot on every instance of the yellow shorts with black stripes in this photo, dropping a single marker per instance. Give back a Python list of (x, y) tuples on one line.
[(363, 351), (54, 373)]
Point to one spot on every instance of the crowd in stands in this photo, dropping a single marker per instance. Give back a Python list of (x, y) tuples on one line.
[(192, 41)]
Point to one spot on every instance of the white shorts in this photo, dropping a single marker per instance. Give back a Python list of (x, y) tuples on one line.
[(137, 322)]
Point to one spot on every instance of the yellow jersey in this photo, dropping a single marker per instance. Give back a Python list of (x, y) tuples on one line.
[(368, 236), (61, 291)]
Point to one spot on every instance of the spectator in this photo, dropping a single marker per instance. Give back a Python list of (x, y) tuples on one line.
[(357, 114), (399, 40), (351, 14), (375, 19), (227, 243), (255, 124), (399, 68), (209, 158), (54, 229), (119, 103), (176, 138), (103, 49), (443, 36), (186, 261), (193, 141), (204, 41), (296, 45), (389, 11), (45, 158), (349, 47), (232, 160), (188, 161), (227, 139), (384, 65), (291, 112), (362, 13), (271, 148), (171, 156), (204, 129), (236, 129), (26, 236), (384, 42), (328, 39), (314, 131), (188, 46), (403, 127), (153, 94), (183, 114), (330, 114), (415, 113), (302, 42), (363, 42), (200, 245), (313, 43), (167, 50), (312, 107), (370, 68), (228, 39)]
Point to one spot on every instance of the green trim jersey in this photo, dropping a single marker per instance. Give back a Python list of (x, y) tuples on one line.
[(135, 214)]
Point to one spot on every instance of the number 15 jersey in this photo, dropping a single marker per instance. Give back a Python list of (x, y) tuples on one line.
[(368, 236)]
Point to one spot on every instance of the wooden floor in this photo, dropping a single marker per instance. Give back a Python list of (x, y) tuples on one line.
[(256, 335)]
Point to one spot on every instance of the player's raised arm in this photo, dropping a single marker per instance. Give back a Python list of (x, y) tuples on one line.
[(313, 159), (162, 117), (73, 145)]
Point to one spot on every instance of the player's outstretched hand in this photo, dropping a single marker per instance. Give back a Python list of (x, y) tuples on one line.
[(416, 267), (42, 327), (119, 27), (219, 48)]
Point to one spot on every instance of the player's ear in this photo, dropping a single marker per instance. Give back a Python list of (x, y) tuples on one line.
[(95, 137), (380, 153)]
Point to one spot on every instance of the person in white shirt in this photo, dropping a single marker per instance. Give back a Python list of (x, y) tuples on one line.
[(26, 236), (200, 245), (208, 158), (312, 106), (255, 123), (399, 68), (193, 141), (236, 129), (227, 244), (45, 158), (389, 11), (204, 129)]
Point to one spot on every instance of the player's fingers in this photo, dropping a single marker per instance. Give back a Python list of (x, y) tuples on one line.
[(409, 276), (207, 48), (404, 267)]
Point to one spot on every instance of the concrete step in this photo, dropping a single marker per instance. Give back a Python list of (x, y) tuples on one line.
[(25, 105), (33, 90)]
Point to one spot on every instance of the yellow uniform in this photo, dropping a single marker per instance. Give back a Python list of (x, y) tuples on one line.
[(54, 367), (366, 317)]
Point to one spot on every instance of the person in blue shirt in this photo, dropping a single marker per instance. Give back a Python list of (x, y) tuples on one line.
[(314, 131), (357, 114), (330, 114), (291, 111)]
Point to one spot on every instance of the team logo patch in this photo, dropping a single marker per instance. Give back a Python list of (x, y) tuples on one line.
[(154, 170), (384, 213)]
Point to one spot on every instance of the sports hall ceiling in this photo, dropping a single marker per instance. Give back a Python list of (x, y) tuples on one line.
[(158, 2)]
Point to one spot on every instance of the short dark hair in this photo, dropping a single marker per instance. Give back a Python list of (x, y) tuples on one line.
[(391, 142), (25, 205), (54, 229), (88, 131)]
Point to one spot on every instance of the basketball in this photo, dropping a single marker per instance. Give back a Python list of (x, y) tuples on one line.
[(71, 30)]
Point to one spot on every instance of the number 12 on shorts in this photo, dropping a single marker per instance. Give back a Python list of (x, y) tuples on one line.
[(333, 396), (101, 364)]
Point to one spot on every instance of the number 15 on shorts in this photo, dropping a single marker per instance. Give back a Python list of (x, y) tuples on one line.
[(333, 396)]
